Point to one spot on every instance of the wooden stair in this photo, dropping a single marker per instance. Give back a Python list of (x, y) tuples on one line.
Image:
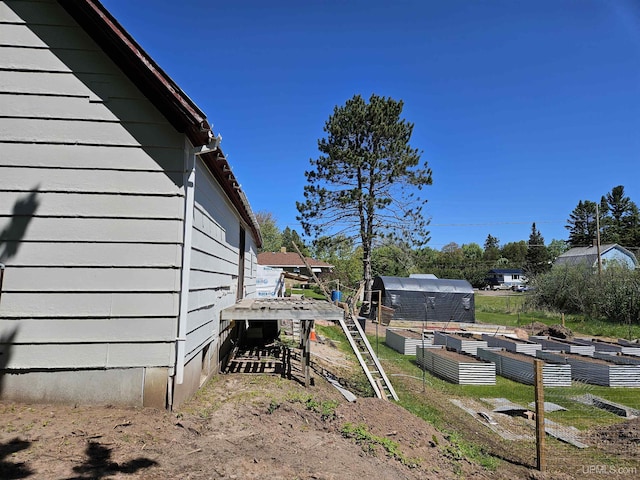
[(367, 358)]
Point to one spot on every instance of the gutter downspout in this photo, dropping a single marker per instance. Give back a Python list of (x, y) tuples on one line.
[(1, 278), (189, 198)]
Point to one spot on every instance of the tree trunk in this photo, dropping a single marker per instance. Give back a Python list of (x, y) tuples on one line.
[(368, 279)]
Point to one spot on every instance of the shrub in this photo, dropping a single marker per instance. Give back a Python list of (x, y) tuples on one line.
[(614, 295)]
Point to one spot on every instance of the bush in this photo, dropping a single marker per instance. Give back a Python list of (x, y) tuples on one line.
[(614, 295)]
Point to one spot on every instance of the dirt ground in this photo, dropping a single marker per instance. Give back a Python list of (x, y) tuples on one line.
[(249, 426), (242, 426), (239, 426)]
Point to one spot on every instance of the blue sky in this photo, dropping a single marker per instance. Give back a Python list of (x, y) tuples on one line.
[(521, 108)]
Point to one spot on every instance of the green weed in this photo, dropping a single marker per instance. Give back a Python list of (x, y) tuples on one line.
[(368, 442), (273, 406)]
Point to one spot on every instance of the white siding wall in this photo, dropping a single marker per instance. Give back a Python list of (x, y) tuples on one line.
[(214, 261), (91, 204)]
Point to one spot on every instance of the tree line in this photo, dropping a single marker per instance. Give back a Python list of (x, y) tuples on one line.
[(472, 262), (615, 219), (395, 257)]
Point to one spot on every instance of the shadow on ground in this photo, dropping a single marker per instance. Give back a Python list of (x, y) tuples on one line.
[(8, 469), (99, 464)]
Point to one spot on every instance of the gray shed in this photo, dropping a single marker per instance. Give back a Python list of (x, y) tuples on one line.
[(430, 299)]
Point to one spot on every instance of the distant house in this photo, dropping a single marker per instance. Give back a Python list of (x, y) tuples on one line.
[(292, 263), (123, 230), (505, 278), (609, 253)]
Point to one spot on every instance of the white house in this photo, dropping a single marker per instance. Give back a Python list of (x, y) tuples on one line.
[(505, 278), (123, 232)]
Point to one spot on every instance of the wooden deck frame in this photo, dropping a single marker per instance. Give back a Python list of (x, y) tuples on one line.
[(305, 310)]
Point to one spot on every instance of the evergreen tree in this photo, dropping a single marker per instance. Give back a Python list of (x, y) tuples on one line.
[(491, 249), (582, 224), (537, 258), (631, 237), (289, 237), (365, 182), (620, 220)]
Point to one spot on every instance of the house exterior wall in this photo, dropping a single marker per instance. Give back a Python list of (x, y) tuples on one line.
[(617, 256), (506, 278), (92, 210), (214, 274)]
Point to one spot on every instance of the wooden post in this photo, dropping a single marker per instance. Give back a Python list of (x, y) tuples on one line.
[(563, 320), (306, 325), (540, 433)]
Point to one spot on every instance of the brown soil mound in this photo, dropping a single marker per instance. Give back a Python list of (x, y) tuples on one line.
[(557, 330)]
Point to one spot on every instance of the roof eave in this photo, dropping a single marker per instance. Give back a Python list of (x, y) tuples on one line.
[(221, 170), (143, 71), (163, 92)]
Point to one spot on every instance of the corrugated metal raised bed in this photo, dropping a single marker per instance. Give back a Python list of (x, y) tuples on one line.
[(595, 371), (459, 342), (618, 358), (568, 346), (602, 346), (405, 341), (627, 343), (456, 367), (520, 368), (512, 344)]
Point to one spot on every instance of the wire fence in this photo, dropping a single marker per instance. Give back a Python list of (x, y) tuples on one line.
[(590, 387)]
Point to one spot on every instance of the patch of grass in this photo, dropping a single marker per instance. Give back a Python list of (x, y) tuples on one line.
[(273, 406), (207, 399), (512, 310), (307, 292), (358, 381), (507, 303), (460, 449), (335, 333), (369, 442), (326, 409)]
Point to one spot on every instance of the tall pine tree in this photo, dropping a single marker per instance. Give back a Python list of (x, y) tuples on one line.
[(365, 183), (537, 258), (582, 224)]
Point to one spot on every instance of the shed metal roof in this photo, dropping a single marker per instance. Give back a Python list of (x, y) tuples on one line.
[(426, 284)]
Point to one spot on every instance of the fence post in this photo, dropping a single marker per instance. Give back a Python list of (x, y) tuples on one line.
[(540, 433)]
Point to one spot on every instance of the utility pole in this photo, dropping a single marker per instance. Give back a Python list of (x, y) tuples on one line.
[(598, 240)]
